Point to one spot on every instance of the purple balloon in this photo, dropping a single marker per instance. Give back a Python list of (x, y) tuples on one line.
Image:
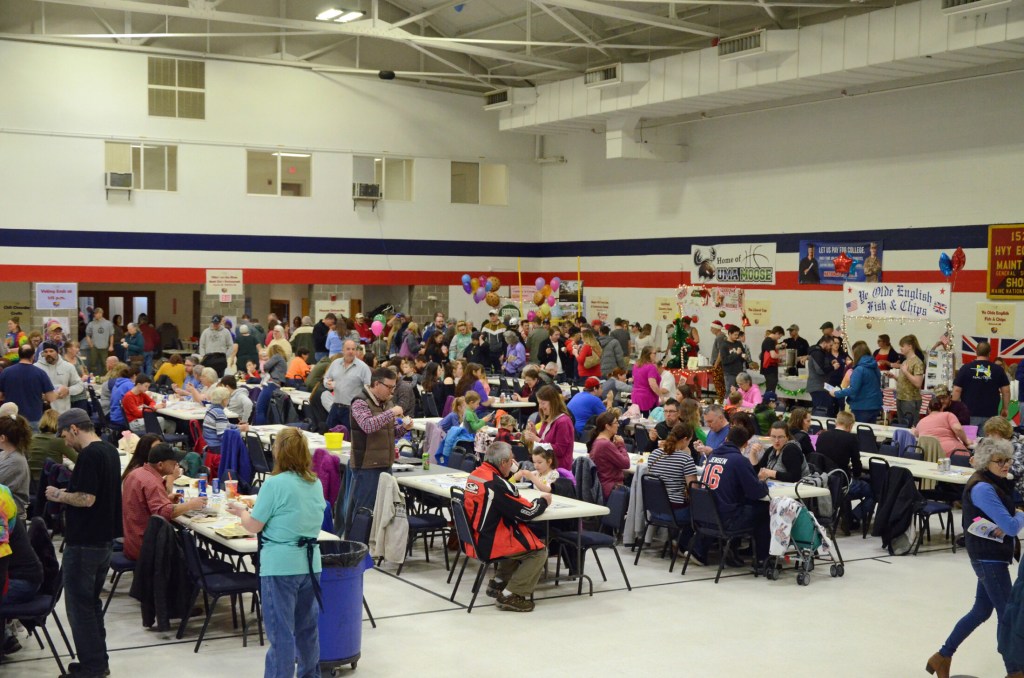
[(467, 287), (539, 282), (479, 295)]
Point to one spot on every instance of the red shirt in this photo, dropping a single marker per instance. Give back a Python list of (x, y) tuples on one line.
[(143, 494), (150, 337), (132, 405)]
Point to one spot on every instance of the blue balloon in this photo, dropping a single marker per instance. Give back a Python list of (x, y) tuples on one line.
[(488, 286), (945, 265), (465, 278)]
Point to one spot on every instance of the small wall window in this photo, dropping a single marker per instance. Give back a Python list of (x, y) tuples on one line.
[(393, 175), (479, 183), (177, 88), (153, 167), (287, 173)]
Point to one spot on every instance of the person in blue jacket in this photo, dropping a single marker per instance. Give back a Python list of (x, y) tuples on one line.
[(865, 391), (737, 491), (117, 392)]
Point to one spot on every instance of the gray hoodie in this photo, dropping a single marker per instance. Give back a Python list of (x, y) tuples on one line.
[(611, 355)]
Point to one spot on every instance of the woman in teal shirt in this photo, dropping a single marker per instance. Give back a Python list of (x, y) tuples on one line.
[(289, 511)]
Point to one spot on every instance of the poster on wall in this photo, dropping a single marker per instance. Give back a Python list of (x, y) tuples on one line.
[(897, 301), (57, 296), (665, 308), (15, 309), (836, 263), (743, 264), (599, 309), (570, 290), (324, 306), (224, 281), (1005, 262), (759, 312), (1010, 350), (993, 319)]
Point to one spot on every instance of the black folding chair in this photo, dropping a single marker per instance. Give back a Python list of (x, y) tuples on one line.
[(34, 614), (656, 507), (215, 586), (913, 451), (466, 541), (708, 522), (422, 526), (960, 457), (152, 422), (604, 538), (866, 439), (878, 474), (261, 465), (455, 459)]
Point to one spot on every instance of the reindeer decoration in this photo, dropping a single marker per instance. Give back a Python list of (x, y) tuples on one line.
[(705, 265)]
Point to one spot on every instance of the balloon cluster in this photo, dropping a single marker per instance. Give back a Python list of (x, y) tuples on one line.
[(377, 326), (949, 265), (545, 298), (482, 288)]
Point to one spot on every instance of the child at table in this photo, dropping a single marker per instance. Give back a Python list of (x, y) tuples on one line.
[(471, 422), (545, 471), (508, 430), (252, 373), (455, 417), (735, 400)]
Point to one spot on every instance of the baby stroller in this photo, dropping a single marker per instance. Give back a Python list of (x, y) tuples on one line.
[(797, 536)]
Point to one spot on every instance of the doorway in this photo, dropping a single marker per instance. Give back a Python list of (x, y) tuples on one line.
[(281, 308), (128, 305)]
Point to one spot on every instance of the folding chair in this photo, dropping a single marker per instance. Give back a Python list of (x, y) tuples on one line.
[(708, 522), (866, 438), (878, 474), (656, 504), (152, 422), (466, 543), (261, 465), (605, 538)]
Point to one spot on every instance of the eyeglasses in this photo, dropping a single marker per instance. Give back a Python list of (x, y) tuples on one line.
[(390, 387), (1001, 462)]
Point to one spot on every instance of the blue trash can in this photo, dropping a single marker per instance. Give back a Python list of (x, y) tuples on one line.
[(341, 619)]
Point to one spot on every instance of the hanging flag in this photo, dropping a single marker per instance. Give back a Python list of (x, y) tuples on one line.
[(1010, 350)]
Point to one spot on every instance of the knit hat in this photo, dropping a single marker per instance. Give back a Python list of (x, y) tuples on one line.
[(73, 417)]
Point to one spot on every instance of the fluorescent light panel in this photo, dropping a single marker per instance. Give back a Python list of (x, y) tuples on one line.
[(292, 155), (349, 16), (329, 14), (341, 16)]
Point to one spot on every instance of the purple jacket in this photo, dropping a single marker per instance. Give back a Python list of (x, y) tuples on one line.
[(328, 469)]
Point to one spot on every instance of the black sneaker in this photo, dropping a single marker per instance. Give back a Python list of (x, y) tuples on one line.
[(514, 603), (698, 560), (75, 670), (494, 588), (11, 644)]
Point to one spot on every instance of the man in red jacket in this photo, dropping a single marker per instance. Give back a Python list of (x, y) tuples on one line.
[(497, 515)]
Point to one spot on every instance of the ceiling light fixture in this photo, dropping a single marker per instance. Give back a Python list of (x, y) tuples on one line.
[(349, 16), (292, 155), (341, 16), (329, 14)]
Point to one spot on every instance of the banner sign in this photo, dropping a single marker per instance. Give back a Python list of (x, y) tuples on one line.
[(745, 264), (1006, 262), (57, 296), (897, 301), (837, 263)]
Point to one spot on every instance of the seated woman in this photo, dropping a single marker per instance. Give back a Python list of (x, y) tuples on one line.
[(15, 439), (784, 461), (751, 393), (531, 384), (215, 423), (140, 456), (173, 371), (673, 463), (608, 451), (19, 565), (47, 445), (942, 425), (274, 371), (207, 379), (753, 450), (799, 427), (474, 379), (298, 369), (240, 403)]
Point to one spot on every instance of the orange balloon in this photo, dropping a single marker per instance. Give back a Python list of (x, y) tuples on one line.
[(538, 298), (546, 291)]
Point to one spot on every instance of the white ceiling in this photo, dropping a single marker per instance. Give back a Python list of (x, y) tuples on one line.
[(473, 45)]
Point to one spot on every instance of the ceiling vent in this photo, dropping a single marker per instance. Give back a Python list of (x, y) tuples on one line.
[(615, 76), (966, 8), (757, 45), (509, 97)]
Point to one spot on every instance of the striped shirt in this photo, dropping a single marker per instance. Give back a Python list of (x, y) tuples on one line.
[(673, 469)]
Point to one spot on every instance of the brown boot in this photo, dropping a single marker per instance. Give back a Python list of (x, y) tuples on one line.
[(939, 665)]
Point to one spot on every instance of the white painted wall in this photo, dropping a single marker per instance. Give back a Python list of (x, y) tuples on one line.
[(936, 156)]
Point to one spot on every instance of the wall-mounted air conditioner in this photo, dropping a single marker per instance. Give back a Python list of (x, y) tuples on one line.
[(118, 181), (366, 191), (509, 97)]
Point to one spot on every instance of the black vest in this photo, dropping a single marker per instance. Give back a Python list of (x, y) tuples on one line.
[(977, 547)]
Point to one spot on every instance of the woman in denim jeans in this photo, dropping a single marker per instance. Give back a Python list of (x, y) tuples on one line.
[(988, 495), (290, 510)]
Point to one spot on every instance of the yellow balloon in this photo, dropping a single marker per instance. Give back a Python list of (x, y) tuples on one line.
[(474, 283), (546, 291)]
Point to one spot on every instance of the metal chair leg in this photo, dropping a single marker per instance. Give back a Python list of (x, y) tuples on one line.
[(206, 623), (56, 657), (60, 627), (369, 614), (621, 568), (476, 586)]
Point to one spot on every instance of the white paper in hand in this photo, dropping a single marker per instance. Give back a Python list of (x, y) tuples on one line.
[(984, 528)]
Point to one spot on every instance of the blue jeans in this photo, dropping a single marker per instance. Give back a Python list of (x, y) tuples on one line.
[(147, 363), (339, 414), (85, 568), (291, 616), (821, 399), (865, 416), (753, 517), (992, 593), (19, 591), (319, 355), (261, 412), (861, 489), (360, 490)]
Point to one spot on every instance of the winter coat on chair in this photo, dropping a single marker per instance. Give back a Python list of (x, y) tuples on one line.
[(896, 508), (588, 482), (389, 534), (161, 582)]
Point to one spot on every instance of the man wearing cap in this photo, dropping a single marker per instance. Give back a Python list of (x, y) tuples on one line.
[(100, 333), (798, 343), (363, 328), (955, 407), (214, 345), (346, 377), (27, 386), (54, 335), (827, 328), (320, 332), (63, 376), (149, 491), (586, 404), (92, 523)]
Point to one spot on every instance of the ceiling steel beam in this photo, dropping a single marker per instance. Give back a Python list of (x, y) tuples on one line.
[(591, 7), (427, 12), (756, 3), (572, 29)]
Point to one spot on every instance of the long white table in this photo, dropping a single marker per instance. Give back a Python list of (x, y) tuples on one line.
[(186, 410), (240, 545), (925, 470)]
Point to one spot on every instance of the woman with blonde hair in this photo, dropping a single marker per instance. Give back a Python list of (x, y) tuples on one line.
[(288, 515), (410, 342), (588, 357), (281, 341)]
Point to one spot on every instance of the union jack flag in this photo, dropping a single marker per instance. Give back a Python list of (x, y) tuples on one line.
[(851, 306), (1010, 350), (939, 307)]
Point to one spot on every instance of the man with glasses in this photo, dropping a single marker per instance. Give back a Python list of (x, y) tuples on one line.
[(374, 430)]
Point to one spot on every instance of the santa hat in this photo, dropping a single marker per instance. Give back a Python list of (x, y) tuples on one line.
[(717, 325)]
